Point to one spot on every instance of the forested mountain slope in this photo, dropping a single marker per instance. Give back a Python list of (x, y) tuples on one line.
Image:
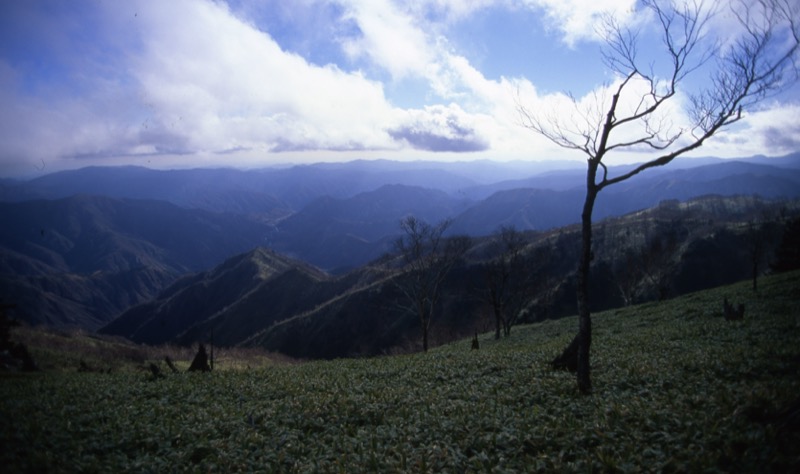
[(649, 255)]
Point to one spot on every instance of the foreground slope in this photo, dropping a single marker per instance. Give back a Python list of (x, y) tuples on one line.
[(677, 388)]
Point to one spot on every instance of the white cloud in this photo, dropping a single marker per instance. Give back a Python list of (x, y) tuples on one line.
[(773, 130), (212, 83), (223, 84), (36, 129), (578, 19), (201, 80), (207, 83), (390, 38)]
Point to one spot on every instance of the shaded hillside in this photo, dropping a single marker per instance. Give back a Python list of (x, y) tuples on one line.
[(187, 309), (364, 321), (83, 234), (724, 179), (525, 209), (346, 233), (341, 215), (653, 254), (81, 260), (86, 301), (333, 216)]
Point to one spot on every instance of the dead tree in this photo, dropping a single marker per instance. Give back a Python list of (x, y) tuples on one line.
[(758, 61), (508, 279), (155, 371), (568, 359), (200, 362), (170, 364), (18, 353), (427, 259), (731, 313)]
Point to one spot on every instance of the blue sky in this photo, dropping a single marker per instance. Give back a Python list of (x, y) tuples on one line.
[(186, 83)]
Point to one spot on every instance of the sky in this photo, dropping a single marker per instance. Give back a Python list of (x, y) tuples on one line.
[(251, 83)]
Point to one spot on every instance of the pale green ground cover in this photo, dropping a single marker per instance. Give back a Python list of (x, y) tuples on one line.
[(677, 388)]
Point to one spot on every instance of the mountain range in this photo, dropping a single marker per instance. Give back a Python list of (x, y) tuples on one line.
[(80, 248), (264, 299)]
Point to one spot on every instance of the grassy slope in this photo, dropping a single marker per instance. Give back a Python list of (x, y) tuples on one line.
[(677, 388)]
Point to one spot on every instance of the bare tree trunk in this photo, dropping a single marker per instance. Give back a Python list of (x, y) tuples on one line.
[(761, 61), (424, 323), (497, 319), (584, 316), (211, 360)]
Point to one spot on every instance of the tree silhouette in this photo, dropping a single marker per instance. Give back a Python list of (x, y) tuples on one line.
[(427, 259), (16, 350), (644, 109), (787, 255), (508, 278)]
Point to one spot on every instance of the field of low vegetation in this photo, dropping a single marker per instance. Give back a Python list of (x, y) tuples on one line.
[(677, 388)]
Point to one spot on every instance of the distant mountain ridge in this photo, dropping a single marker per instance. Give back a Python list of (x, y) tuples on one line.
[(552, 202), (282, 190), (257, 190), (345, 233), (79, 247)]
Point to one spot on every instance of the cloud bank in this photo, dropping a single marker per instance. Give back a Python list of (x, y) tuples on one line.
[(255, 82)]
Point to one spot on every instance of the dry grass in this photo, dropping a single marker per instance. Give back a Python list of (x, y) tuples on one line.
[(67, 350)]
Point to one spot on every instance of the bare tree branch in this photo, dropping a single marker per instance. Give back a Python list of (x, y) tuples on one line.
[(428, 257), (761, 61)]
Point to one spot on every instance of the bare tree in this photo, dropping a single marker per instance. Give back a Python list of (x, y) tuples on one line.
[(658, 258), (507, 279), (427, 257), (787, 255), (740, 73), (760, 237)]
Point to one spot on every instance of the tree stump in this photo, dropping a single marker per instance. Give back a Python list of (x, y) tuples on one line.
[(17, 351), (731, 313), (475, 344), (200, 362), (170, 364), (20, 351), (568, 360), (155, 371)]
